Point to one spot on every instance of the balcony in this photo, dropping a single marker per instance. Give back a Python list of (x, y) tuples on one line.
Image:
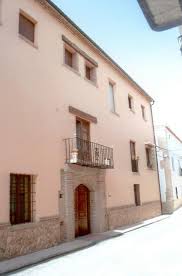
[(85, 153)]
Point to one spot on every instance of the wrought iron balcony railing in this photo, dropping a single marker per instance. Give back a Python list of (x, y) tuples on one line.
[(86, 153)]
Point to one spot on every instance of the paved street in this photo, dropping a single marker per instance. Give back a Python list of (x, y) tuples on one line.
[(153, 250)]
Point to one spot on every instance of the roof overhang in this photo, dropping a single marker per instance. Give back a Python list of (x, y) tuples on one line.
[(162, 14)]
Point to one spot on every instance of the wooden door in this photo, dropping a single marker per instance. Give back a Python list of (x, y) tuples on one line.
[(83, 139), (82, 217)]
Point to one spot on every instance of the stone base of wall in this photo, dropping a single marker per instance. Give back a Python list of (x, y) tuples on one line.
[(128, 215), (169, 207), (25, 238), (177, 203)]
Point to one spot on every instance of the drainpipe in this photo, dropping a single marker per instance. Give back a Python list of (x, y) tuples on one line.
[(152, 103)]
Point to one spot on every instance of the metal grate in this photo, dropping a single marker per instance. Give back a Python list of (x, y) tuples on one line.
[(86, 153), (21, 198)]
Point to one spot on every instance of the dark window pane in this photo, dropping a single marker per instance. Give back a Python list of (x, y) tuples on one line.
[(26, 28), (88, 72), (20, 198), (68, 58)]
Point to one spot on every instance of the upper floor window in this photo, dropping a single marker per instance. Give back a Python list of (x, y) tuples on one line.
[(150, 157), (143, 112), (70, 57), (90, 72), (134, 159), (112, 97), (0, 12), (20, 198), (180, 167), (172, 162), (130, 103), (27, 27)]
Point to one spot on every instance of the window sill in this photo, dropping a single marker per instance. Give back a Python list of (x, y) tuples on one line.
[(145, 120), (22, 226), (132, 110), (136, 173), (28, 41), (71, 69), (115, 113), (91, 82)]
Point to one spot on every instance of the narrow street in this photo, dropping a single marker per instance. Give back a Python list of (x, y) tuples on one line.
[(152, 250)]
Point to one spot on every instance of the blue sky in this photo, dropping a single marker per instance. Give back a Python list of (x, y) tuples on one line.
[(152, 58)]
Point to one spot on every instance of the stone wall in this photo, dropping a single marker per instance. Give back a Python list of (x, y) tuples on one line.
[(128, 215), (94, 180), (25, 238)]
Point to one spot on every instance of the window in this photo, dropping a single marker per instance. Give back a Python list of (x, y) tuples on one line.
[(143, 112), (130, 103), (112, 97), (134, 159), (90, 72), (71, 57), (176, 192), (172, 162), (137, 194), (27, 28), (20, 198), (0, 12), (68, 58), (180, 167), (148, 151)]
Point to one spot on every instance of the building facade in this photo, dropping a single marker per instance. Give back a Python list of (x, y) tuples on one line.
[(76, 134), (169, 154)]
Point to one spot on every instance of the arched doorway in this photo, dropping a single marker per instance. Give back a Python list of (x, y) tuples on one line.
[(82, 212)]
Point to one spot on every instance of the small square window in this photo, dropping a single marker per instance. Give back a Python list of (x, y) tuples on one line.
[(26, 27), (90, 72), (70, 57)]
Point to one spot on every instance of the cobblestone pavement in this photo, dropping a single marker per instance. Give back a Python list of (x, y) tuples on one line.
[(154, 250)]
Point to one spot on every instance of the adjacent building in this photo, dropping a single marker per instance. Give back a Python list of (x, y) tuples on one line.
[(77, 137), (169, 152)]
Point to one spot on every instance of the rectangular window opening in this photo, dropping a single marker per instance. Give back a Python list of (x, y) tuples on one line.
[(143, 112), (70, 57), (90, 72), (134, 159), (21, 198), (27, 27), (137, 194), (112, 97), (130, 103)]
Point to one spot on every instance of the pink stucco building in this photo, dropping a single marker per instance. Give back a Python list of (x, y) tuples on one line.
[(76, 134)]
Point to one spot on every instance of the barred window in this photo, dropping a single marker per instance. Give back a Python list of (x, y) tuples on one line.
[(21, 198)]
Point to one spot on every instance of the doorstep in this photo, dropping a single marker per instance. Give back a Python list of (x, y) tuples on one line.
[(34, 258)]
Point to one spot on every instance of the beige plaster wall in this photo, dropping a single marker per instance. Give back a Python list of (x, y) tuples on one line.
[(36, 90)]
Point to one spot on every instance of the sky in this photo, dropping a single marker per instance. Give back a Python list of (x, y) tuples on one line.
[(151, 58)]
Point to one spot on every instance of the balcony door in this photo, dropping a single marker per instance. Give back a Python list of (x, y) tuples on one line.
[(83, 139)]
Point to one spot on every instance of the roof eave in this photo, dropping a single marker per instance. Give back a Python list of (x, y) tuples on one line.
[(102, 52)]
